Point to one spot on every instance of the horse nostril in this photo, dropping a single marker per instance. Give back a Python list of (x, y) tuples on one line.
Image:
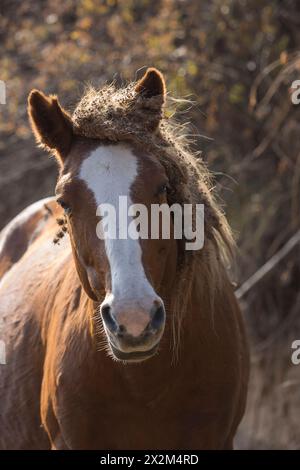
[(158, 318), (107, 317), (121, 331)]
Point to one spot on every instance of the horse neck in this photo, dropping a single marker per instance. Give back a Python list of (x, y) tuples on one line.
[(210, 304)]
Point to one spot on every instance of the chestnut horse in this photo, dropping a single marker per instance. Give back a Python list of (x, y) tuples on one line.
[(117, 343)]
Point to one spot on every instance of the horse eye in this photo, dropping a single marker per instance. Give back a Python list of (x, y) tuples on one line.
[(64, 206), (163, 189)]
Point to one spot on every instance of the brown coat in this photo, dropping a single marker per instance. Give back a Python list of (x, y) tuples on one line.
[(58, 390)]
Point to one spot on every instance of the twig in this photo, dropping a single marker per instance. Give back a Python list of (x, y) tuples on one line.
[(277, 333), (268, 266)]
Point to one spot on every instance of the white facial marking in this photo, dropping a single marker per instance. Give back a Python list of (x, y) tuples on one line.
[(109, 172)]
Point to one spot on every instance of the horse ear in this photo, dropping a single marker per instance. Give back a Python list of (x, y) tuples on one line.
[(152, 84), (50, 123)]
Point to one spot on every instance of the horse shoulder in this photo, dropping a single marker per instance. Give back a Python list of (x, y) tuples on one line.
[(28, 273)]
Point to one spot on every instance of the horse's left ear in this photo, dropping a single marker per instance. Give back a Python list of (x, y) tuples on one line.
[(152, 84)]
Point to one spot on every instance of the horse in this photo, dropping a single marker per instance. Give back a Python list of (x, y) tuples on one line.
[(118, 343)]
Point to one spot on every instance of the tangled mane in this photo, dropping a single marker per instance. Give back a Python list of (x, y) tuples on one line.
[(126, 115)]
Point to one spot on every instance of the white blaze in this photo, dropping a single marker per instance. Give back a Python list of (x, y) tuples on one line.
[(109, 172)]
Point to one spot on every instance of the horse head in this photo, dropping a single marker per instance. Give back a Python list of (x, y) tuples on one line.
[(104, 152)]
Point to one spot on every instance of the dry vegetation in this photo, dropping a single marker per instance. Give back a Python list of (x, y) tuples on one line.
[(236, 59)]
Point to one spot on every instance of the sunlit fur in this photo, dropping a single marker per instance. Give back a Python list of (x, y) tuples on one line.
[(66, 392)]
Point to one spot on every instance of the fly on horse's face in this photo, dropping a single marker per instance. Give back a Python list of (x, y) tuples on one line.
[(124, 276)]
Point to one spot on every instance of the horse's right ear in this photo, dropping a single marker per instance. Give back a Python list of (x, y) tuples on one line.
[(50, 123)]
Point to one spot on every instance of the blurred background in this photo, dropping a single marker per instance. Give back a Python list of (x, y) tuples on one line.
[(236, 60)]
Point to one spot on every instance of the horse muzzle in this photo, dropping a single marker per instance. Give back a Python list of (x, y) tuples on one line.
[(134, 333)]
